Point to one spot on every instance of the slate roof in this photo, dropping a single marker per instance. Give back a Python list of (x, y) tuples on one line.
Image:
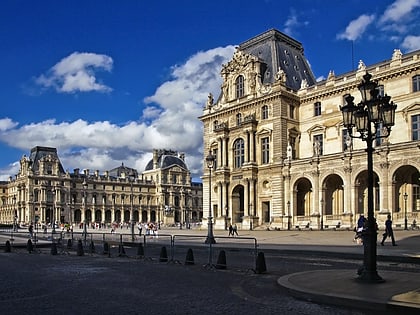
[(38, 153), (279, 50)]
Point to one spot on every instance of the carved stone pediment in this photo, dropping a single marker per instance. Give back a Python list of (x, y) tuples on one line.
[(239, 62)]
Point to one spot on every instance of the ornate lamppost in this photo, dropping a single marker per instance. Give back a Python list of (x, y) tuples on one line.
[(405, 211), (373, 118), (53, 212), (85, 186), (288, 215), (210, 159), (322, 214)]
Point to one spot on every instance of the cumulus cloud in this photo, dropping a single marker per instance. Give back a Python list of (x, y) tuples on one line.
[(411, 43), (77, 73), (357, 27), (399, 11), (169, 121), (7, 123)]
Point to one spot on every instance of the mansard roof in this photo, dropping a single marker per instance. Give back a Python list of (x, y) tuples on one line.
[(38, 153), (279, 51), (165, 160), (122, 169)]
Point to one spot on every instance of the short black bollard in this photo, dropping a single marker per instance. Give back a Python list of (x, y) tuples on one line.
[(121, 251), (163, 255), (106, 248), (80, 250), (53, 249), (140, 250), (30, 246), (8, 247), (221, 260), (260, 266), (92, 247), (189, 260), (69, 243)]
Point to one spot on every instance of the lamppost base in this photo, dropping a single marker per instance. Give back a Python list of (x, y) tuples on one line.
[(210, 240), (369, 277)]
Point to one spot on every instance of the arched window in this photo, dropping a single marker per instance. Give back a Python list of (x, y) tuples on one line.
[(239, 86), (238, 153)]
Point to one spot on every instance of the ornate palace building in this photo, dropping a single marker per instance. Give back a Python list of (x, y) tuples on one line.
[(43, 192), (283, 157)]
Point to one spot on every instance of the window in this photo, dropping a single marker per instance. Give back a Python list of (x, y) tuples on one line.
[(239, 86), (215, 123), (381, 90), (379, 133), (415, 127), (346, 140), (238, 119), (416, 198), (416, 83), (215, 154), (265, 150), (318, 145), (238, 153), (292, 111), (292, 142), (264, 112), (317, 109)]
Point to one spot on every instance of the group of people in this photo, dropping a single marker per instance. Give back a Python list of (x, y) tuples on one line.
[(362, 225), (233, 229)]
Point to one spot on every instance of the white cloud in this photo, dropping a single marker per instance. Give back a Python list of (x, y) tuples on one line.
[(169, 122), (7, 123), (399, 11), (411, 43), (77, 73), (357, 27)]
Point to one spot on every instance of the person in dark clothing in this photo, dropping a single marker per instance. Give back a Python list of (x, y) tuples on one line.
[(388, 231)]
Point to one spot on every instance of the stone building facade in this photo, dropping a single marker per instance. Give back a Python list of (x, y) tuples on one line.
[(43, 192), (284, 159)]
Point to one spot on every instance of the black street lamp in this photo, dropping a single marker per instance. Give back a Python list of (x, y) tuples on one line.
[(85, 186), (210, 159), (373, 118), (288, 215), (322, 214), (405, 211), (53, 212)]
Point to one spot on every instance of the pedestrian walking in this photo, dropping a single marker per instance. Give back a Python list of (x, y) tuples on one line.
[(361, 222), (388, 231), (31, 230), (230, 230), (235, 230)]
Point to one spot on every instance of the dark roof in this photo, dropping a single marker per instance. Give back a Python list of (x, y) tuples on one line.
[(128, 171), (37, 153), (165, 161), (279, 50)]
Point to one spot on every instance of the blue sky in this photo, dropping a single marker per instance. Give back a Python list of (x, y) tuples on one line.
[(105, 82)]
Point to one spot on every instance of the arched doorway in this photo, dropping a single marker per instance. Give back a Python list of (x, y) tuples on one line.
[(127, 216), (98, 216), (144, 216), (362, 194), (88, 216), (303, 197), (406, 194), (237, 204), (108, 216), (333, 195), (136, 216), (117, 216), (77, 216)]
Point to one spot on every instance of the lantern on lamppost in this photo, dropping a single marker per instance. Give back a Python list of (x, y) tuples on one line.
[(372, 118)]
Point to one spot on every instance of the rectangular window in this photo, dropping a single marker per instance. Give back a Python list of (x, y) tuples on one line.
[(317, 109), (265, 150), (415, 127), (416, 83), (318, 145), (416, 198), (346, 140), (292, 142), (264, 112), (291, 111), (216, 155)]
